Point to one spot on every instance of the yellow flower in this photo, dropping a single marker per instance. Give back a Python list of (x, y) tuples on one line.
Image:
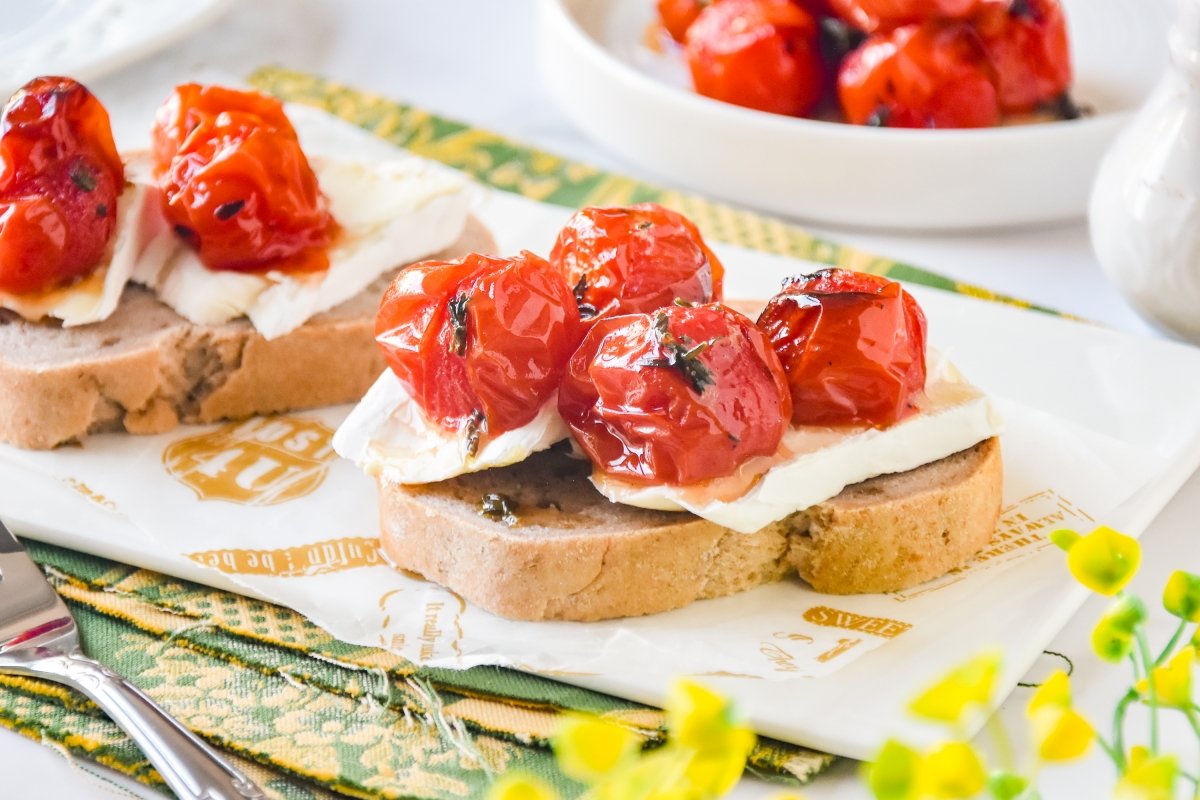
[(714, 772), (697, 717), (702, 721), (952, 771), (1182, 595), (1104, 560), (893, 773), (704, 757), (963, 688), (1147, 778), (1065, 539), (1112, 638), (1173, 680), (587, 748), (520, 787), (1060, 732), (657, 776), (1055, 692)]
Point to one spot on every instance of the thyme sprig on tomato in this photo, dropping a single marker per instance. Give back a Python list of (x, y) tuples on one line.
[(680, 396)]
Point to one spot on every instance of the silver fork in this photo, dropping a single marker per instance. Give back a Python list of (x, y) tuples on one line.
[(38, 638)]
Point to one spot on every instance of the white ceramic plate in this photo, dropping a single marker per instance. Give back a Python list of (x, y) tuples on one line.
[(88, 38), (639, 104)]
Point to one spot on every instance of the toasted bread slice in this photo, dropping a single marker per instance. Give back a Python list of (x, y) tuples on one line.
[(145, 369), (573, 555)]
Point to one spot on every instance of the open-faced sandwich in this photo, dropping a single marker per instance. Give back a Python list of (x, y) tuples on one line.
[(598, 435), (224, 274)]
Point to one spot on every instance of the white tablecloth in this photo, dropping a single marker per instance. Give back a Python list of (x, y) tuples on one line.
[(475, 60)]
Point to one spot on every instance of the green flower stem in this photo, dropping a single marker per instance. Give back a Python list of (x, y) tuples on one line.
[(1112, 752), (1174, 640), (1194, 721), (1151, 693), (1130, 697), (1004, 747), (1119, 728)]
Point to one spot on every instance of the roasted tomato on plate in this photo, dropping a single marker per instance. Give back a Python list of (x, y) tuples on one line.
[(679, 396), (852, 346), (762, 54), (1027, 41), (635, 259), (60, 177), (924, 63), (874, 15), (933, 75), (236, 185), (480, 343)]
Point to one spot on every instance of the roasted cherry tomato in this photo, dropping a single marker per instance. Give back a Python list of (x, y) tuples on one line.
[(678, 15), (60, 177), (236, 185), (480, 343), (1028, 44), (852, 346), (933, 75), (885, 15), (635, 259), (679, 396), (762, 54)]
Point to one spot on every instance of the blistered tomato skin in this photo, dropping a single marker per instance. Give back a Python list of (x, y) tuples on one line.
[(679, 396), (761, 54), (852, 347), (635, 259), (885, 15), (933, 75), (236, 185), (1028, 43), (60, 177), (481, 343)]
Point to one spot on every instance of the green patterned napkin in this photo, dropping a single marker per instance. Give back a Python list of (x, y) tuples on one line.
[(312, 717)]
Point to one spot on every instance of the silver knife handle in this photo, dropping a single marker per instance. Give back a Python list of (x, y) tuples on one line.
[(192, 769)]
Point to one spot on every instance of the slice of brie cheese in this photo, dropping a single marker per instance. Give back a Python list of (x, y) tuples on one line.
[(817, 463), (388, 434), (138, 241), (390, 213)]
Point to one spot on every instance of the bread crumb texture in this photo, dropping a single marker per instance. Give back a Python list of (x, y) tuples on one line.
[(573, 555), (145, 369)]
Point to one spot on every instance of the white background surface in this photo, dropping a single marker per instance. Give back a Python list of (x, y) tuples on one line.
[(475, 60)]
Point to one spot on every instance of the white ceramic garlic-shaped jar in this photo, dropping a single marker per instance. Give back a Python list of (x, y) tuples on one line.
[(1145, 207)]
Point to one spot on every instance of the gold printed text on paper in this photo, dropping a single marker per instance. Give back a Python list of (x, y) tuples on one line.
[(317, 558), (876, 626), (1022, 530), (260, 462)]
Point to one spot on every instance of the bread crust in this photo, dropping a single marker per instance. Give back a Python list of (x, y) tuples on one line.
[(573, 555), (146, 369)]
